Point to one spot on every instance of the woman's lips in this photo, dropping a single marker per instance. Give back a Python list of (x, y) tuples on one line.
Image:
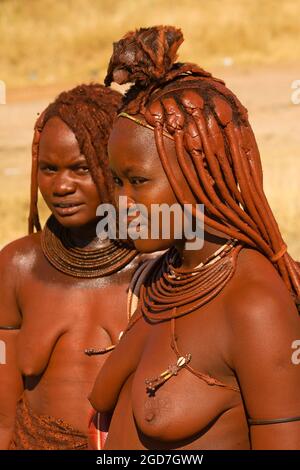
[(65, 209), (137, 228)]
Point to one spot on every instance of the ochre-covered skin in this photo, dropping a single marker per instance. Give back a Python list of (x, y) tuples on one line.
[(242, 338), (59, 316)]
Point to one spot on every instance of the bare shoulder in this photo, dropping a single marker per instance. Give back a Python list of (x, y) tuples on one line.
[(262, 326), (16, 260), (257, 290), (260, 312), (19, 253)]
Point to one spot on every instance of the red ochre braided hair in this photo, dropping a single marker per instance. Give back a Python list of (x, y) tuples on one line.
[(215, 145), (89, 111)]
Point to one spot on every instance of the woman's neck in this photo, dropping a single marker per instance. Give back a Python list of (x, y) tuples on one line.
[(213, 240), (86, 236)]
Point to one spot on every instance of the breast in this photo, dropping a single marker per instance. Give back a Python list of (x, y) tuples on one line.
[(40, 332), (67, 323), (183, 405)]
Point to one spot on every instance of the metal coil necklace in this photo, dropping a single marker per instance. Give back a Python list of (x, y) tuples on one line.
[(170, 292), (65, 256)]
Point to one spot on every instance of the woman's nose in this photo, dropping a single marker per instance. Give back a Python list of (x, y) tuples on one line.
[(125, 202), (63, 185), (130, 203), (123, 197)]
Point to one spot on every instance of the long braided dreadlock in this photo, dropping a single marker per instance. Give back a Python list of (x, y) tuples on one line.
[(89, 111), (210, 126)]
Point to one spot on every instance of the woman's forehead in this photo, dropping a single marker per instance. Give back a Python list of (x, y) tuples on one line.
[(56, 131), (131, 142), (58, 139), (128, 130), (135, 143)]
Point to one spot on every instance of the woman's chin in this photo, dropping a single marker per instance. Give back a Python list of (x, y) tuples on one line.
[(73, 221), (150, 246)]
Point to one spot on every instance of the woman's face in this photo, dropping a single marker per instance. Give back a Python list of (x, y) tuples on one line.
[(64, 178), (139, 175)]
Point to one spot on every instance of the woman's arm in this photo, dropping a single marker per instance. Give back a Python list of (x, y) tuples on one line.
[(11, 385), (264, 325), (10, 377), (121, 363)]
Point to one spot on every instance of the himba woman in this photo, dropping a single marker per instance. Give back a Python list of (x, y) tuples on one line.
[(206, 361), (63, 290)]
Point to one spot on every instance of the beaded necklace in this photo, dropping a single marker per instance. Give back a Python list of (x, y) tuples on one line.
[(65, 256), (168, 287), (171, 292)]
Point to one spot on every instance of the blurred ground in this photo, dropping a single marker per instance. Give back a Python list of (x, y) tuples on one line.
[(265, 91)]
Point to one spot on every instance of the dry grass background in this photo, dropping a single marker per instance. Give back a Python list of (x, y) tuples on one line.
[(47, 45), (46, 41)]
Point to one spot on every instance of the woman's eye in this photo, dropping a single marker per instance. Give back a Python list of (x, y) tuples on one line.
[(117, 181), (137, 180), (82, 170), (48, 169)]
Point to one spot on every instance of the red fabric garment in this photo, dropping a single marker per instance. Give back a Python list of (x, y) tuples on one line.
[(41, 432), (98, 429)]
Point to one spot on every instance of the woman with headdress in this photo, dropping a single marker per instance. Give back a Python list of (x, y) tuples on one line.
[(63, 290), (206, 361)]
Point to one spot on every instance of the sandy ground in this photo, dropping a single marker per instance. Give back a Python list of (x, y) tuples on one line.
[(266, 92)]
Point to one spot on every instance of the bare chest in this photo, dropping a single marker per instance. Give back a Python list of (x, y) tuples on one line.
[(189, 399), (63, 318)]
